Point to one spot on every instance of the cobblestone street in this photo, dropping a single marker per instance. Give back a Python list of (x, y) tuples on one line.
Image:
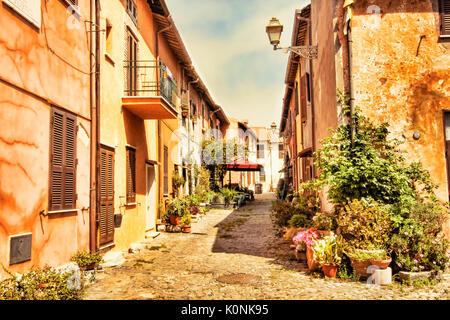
[(233, 255)]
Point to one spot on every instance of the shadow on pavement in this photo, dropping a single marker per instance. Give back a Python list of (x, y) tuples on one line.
[(249, 230)]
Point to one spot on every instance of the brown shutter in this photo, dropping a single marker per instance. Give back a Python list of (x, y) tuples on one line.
[(303, 97), (70, 163), (106, 213), (445, 17), (62, 189), (131, 176)]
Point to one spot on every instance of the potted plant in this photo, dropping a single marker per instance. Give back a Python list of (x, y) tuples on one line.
[(177, 182), (186, 223), (328, 253), (307, 237), (362, 259), (87, 261), (228, 195), (176, 209)]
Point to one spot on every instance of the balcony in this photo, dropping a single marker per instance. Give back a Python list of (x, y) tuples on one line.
[(150, 91)]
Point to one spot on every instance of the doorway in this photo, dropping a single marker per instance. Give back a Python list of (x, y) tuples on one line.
[(151, 206), (106, 197)]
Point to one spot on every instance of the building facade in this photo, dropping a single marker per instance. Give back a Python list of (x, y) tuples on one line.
[(393, 57), (92, 94), (270, 155), (45, 116)]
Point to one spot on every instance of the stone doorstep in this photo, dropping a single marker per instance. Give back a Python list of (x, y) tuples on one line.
[(403, 275), (113, 259)]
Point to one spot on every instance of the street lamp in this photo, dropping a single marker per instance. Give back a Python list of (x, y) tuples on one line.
[(273, 128), (274, 30)]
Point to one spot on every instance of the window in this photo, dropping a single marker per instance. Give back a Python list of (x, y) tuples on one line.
[(262, 175), (131, 175), (62, 184), (296, 99), (303, 97), (444, 11), (260, 150), (132, 11), (131, 65), (280, 151), (166, 170)]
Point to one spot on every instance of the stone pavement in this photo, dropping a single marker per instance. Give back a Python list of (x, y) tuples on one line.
[(233, 255)]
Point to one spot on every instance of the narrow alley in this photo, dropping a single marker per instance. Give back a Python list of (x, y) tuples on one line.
[(233, 255)]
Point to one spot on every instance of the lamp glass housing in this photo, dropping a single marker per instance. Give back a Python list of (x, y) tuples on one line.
[(274, 30)]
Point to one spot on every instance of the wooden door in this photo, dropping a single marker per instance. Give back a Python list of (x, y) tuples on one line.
[(106, 195)]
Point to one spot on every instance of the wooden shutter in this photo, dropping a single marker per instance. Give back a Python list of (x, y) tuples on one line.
[(62, 190), (132, 64), (131, 175), (445, 16), (166, 170), (296, 99), (303, 97), (106, 213)]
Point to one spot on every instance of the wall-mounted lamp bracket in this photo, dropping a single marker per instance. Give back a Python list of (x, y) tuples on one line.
[(307, 52)]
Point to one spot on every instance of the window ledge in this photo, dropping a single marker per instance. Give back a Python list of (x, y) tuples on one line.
[(62, 211), (131, 204), (444, 36)]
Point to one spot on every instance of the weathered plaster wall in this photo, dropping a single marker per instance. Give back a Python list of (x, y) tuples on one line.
[(37, 69), (399, 82), (119, 127), (324, 82)]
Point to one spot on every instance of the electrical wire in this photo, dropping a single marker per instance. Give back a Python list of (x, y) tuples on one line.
[(44, 28)]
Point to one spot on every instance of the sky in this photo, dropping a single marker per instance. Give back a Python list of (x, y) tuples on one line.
[(230, 49)]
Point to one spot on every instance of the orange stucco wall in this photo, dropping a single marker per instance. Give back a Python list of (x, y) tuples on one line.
[(402, 83), (38, 69)]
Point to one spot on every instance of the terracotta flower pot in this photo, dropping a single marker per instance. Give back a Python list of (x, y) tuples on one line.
[(174, 220), (360, 267), (311, 260), (382, 264), (330, 270), (186, 229)]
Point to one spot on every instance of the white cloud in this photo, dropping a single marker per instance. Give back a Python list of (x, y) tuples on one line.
[(230, 49)]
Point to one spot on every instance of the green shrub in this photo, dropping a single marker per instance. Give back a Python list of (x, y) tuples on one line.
[(322, 221), (418, 244), (40, 284), (84, 259), (364, 225), (228, 194), (299, 221), (282, 212)]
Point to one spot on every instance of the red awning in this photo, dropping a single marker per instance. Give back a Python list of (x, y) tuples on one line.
[(243, 165)]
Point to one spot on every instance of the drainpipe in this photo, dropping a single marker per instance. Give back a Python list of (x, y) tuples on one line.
[(311, 88), (343, 39), (94, 95), (189, 126)]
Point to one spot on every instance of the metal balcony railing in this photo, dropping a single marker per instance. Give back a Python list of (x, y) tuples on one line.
[(150, 78)]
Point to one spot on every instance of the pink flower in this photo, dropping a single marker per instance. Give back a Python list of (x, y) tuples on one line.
[(404, 260), (399, 264), (421, 267), (415, 260), (406, 233)]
